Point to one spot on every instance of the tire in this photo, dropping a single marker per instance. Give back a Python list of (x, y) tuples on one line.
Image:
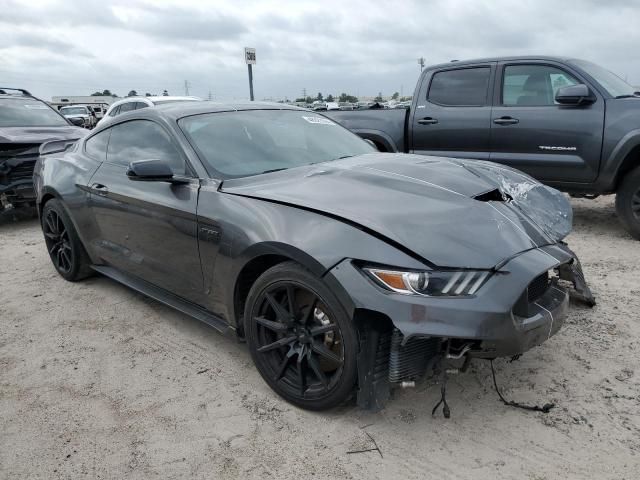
[(63, 244), (628, 202), (309, 359)]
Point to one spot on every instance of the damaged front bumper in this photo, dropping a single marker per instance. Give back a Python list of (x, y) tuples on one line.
[(522, 305), (16, 175)]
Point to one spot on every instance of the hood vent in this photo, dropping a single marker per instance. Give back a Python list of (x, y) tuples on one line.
[(494, 195)]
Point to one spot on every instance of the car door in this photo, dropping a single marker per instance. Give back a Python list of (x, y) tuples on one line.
[(453, 112), (531, 132), (147, 228)]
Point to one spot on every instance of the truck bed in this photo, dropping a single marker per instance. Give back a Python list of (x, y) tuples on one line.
[(385, 127)]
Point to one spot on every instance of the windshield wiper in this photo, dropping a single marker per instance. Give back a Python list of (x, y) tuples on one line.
[(274, 170), (632, 95), (345, 156)]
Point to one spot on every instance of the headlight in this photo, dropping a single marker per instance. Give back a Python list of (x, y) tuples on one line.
[(430, 283)]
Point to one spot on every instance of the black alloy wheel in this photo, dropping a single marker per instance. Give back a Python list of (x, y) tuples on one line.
[(65, 248), (58, 242), (300, 339)]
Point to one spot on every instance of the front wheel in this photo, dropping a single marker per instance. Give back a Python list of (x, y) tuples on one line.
[(300, 338), (628, 203)]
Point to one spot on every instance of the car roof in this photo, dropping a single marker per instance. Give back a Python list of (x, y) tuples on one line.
[(499, 59), (185, 109)]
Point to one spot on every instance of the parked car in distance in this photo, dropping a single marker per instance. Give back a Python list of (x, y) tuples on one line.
[(569, 123), (135, 103), (25, 123), (339, 265), (83, 112), (333, 106)]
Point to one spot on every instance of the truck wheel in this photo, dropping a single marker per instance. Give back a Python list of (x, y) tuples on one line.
[(628, 203)]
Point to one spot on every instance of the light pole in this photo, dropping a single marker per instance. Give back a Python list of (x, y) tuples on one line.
[(421, 63)]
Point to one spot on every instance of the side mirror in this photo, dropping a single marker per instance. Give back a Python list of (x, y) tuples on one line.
[(575, 95), (150, 171)]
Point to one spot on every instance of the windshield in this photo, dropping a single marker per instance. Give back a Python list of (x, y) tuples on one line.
[(28, 112), (613, 84), (240, 144), (73, 111)]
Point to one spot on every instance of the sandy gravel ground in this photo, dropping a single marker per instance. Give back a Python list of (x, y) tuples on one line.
[(99, 382)]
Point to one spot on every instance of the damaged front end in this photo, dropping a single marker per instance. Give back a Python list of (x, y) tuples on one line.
[(523, 304), (17, 161)]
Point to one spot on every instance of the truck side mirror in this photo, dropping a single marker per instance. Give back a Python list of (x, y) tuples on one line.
[(575, 95)]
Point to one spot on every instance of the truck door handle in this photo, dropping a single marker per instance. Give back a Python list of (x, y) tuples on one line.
[(506, 121), (99, 189), (427, 121)]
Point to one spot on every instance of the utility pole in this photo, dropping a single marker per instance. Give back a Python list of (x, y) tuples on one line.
[(186, 88), (304, 94), (250, 58), (421, 63), (209, 98)]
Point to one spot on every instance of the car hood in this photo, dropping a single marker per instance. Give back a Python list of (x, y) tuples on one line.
[(448, 212), (40, 134)]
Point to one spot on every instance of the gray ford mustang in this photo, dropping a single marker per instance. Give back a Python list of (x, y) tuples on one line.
[(346, 270)]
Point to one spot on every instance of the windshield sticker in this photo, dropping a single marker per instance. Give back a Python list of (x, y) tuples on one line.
[(36, 106), (318, 120)]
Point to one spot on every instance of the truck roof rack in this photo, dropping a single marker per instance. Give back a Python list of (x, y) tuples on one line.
[(24, 92)]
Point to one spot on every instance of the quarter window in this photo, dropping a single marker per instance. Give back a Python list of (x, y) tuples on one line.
[(464, 87), (533, 85), (143, 140), (96, 146)]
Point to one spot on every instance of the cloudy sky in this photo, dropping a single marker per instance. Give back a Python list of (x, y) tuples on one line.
[(360, 47)]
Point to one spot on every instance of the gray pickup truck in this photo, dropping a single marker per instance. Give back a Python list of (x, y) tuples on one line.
[(569, 123)]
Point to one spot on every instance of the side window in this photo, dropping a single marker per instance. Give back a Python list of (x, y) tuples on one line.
[(463, 87), (533, 85), (127, 107), (115, 111), (143, 140), (96, 146), (140, 105)]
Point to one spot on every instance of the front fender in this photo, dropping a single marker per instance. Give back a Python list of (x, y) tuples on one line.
[(618, 161)]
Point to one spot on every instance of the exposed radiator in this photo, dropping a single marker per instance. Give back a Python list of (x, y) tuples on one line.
[(409, 362)]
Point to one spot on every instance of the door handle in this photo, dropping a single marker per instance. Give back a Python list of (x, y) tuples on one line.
[(427, 121), (506, 121), (99, 189)]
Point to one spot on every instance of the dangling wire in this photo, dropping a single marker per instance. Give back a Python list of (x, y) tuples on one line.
[(546, 408), (443, 390)]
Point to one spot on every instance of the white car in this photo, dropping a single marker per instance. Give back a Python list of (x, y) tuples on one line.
[(135, 103), (75, 113)]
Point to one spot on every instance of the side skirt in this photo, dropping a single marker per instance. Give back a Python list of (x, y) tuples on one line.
[(167, 298)]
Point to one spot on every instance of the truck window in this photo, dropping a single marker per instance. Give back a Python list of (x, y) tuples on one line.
[(533, 85), (462, 87)]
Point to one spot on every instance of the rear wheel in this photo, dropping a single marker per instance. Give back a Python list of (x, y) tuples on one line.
[(628, 203), (300, 338), (65, 249)]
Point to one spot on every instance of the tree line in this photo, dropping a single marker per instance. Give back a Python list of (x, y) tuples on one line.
[(132, 93)]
